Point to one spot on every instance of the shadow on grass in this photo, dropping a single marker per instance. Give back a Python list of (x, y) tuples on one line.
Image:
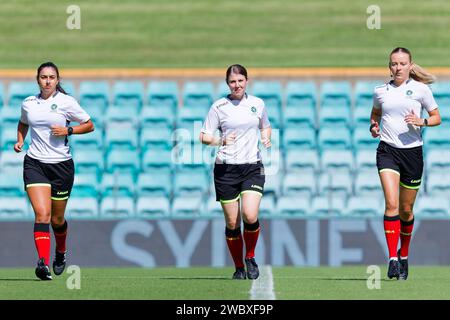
[(15, 279), (195, 278)]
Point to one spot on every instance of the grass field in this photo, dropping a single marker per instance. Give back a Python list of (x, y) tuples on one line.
[(289, 283), (204, 33)]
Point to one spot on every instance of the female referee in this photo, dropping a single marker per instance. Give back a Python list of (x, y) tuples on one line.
[(48, 166), (238, 171), (398, 104)]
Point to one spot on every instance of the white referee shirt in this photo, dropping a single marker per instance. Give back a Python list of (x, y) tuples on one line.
[(40, 114), (243, 117), (395, 103)]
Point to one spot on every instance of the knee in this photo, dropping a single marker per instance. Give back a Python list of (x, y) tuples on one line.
[(42, 215), (57, 221), (391, 206), (406, 210)]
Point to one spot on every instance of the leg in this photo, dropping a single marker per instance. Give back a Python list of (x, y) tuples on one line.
[(231, 210), (407, 199), (39, 195), (390, 181), (250, 208)]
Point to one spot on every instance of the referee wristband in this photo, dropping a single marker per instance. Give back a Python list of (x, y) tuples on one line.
[(425, 122), (69, 131)]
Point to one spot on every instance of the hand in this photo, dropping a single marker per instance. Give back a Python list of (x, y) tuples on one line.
[(59, 131), (411, 118), (375, 131), (266, 142), (18, 147), (229, 139)]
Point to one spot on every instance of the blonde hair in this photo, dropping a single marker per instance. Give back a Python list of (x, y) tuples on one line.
[(417, 72)]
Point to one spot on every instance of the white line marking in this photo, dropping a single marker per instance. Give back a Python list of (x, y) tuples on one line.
[(262, 288)]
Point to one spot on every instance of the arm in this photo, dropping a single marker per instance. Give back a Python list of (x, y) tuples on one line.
[(433, 120), (210, 140), (22, 130), (375, 118), (82, 128), (266, 134)]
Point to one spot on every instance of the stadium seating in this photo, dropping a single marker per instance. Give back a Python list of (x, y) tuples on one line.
[(294, 116), (198, 94), (94, 94), (270, 92), (367, 183), (335, 184), (121, 137), (19, 90), (13, 208), (327, 206), (438, 160), (152, 207), (299, 185), (365, 206), (187, 206), (117, 185), (432, 207), (154, 184), (362, 139), (122, 161), (91, 141), (117, 207), (293, 206), (299, 138), (163, 94), (364, 93), (267, 206), (151, 138), (128, 94), (365, 160), (334, 138), (10, 186), (438, 183), (335, 94), (2, 95), (119, 116), (83, 208), (329, 116), (10, 117), (437, 138), (301, 94), (157, 116), (11, 162), (302, 160), (337, 161), (85, 185)]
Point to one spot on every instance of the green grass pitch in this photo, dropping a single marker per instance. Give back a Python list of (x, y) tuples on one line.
[(289, 283), (205, 33)]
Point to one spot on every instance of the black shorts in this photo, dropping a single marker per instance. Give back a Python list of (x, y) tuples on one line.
[(407, 163), (231, 180), (58, 176)]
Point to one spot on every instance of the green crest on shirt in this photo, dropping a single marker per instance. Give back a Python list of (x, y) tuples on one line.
[(253, 109), (53, 107), (409, 92)]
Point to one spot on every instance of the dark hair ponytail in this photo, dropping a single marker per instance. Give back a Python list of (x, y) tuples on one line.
[(51, 65)]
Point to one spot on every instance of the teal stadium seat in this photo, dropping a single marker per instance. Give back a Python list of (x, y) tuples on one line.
[(117, 185), (84, 208), (272, 186), (213, 208), (198, 94), (436, 138), (330, 117), (365, 160), (188, 115), (88, 161), (438, 160), (13, 209), (154, 207), (364, 93), (194, 156), (298, 160), (11, 186), (9, 138), (361, 117), (338, 161), (336, 94), (367, 183), (326, 206), (301, 94), (10, 117), (157, 117), (185, 206), (292, 206), (85, 185), (431, 207), (222, 90), (300, 185), (122, 137), (157, 160), (334, 138), (267, 207), (117, 116), (294, 116), (2, 95), (365, 206), (441, 93), (336, 184), (191, 183), (163, 94), (11, 162), (362, 139), (19, 90), (128, 94), (122, 161), (117, 208), (438, 183), (156, 138), (155, 184), (299, 138), (69, 88), (270, 92), (94, 94), (90, 141)]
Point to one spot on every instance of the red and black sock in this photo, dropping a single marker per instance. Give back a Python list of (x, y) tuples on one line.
[(235, 245), (42, 241), (392, 232), (60, 237), (405, 237), (251, 233)]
